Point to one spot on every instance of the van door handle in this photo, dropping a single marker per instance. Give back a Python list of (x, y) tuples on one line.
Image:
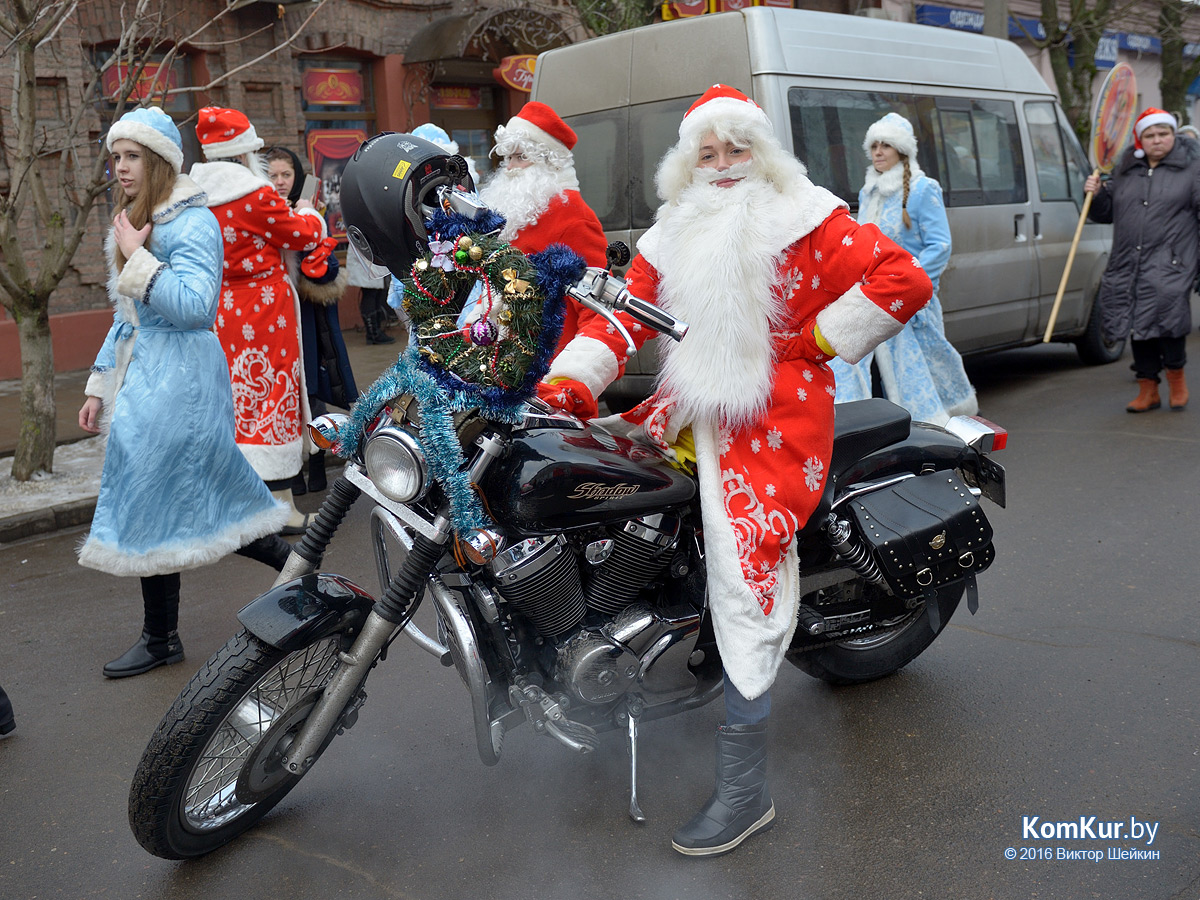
[(1019, 235), (1037, 226)]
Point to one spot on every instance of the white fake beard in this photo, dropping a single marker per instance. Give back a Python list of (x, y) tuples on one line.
[(719, 271), (521, 195)]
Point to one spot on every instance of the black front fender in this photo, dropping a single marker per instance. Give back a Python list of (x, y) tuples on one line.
[(298, 612)]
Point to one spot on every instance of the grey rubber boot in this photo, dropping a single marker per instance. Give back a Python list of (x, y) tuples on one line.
[(741, 802)]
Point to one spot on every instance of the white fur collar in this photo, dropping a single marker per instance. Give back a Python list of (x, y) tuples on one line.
[(880, 185), (184, 195), (226, 181)]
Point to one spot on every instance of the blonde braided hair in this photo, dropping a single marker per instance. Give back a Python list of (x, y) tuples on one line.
[(904, 198)]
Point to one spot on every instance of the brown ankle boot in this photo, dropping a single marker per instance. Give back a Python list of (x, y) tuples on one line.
[(1178, 389), (1147, 397)]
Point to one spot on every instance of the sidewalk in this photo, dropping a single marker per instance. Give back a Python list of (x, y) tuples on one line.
[(68, 497)]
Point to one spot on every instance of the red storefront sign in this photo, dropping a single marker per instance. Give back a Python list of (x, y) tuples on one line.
[(516, 72), (153, 79), (730, 5), (456, 96), (332, 87), (684, 9)]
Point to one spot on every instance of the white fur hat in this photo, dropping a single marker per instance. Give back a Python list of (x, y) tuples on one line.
[(154, 130), (895, 131)]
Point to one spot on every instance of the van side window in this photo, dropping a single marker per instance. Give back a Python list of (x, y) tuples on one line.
[(1078, 167), (828, 128), (602, 164), (653, 130), (980, 152), (1049, 157)]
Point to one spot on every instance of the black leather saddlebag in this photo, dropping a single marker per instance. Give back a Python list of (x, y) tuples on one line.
[(925, 532)]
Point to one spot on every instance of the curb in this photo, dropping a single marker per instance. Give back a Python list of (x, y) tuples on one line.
[(46, 521)]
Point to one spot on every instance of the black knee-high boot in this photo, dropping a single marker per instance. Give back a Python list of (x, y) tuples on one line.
[(159, 644), (740, 804), (7, 721)]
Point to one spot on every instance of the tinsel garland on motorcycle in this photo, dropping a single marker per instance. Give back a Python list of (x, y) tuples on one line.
[(492, 362)]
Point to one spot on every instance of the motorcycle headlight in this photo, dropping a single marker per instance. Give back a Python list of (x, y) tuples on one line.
[(396, 464)]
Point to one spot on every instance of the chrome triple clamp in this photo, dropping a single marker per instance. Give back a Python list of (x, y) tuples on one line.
[(546, 716)]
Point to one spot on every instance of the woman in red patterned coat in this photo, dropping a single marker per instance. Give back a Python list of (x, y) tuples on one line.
[(775, 278), (258, 317)]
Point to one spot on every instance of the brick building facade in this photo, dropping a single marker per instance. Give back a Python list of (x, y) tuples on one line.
[(357, 68)]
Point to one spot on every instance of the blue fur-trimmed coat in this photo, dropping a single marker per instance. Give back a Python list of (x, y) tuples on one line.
[(175, 492), (919, 368)]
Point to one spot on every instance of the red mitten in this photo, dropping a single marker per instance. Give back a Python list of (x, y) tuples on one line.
[(316, 264), (570, 395)]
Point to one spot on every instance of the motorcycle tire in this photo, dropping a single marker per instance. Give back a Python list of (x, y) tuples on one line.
[(211, 769), (859, 660)]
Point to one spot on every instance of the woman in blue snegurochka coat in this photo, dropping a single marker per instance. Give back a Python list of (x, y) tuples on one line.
[(175, 491), (918, 368)]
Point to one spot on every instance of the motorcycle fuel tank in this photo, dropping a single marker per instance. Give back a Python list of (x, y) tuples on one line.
[(556, 479)]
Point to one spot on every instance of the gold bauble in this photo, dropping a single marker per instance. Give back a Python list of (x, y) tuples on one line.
[(465, 243), (422, 265), (476, 253)]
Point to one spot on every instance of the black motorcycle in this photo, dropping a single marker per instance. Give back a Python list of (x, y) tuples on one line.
[(581, 607)]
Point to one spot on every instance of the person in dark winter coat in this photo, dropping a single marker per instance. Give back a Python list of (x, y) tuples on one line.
[(328, 377), (1153, 201)]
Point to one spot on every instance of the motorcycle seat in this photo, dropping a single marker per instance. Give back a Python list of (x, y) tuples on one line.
[(861, 427)]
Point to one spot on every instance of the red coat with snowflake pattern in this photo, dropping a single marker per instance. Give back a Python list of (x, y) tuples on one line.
[(257, 316)]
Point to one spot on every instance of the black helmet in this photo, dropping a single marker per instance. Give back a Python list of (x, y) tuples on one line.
[(389, 187)]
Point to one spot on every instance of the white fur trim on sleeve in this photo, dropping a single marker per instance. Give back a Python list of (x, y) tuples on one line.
[(140, 269), (97, 383), (854, 326), (320, 218), (586, 360)]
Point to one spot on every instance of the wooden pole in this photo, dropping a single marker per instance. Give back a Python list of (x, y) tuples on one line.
[(1062, 284)]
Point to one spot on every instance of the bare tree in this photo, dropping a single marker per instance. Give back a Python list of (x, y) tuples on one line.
[(53, 174), (1177, 70), (609, 16)]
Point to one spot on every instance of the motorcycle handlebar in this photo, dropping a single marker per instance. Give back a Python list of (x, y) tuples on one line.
[(605, 293)]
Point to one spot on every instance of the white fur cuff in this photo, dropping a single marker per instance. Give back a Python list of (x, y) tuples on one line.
[(140, 269), (320, 218), (854, 326), (588, 361)]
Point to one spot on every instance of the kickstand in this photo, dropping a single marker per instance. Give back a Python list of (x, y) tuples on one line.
[(634, 711)]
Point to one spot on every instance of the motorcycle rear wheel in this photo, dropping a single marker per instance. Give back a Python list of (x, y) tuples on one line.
[(211, 769), (859, 660)]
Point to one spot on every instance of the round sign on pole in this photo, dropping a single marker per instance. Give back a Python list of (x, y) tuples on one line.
[(1113, 116)]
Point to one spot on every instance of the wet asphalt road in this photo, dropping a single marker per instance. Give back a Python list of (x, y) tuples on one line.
[(1073, 693)]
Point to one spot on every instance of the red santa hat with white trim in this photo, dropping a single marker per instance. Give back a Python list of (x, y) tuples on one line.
[(226, 133), (539, 124), (724, 105), (1150, 116)]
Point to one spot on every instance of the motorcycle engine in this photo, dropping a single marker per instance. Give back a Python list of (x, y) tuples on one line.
[(545, 580)]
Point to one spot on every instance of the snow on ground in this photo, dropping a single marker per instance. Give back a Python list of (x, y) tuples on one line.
[(76, 476)]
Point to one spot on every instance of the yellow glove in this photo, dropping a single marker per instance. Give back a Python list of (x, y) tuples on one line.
[(825, 346), (685, 449)]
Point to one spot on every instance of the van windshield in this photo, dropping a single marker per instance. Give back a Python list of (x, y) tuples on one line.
[(972, 147)]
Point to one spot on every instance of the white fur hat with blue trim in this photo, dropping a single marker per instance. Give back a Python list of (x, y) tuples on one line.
[(154, 130), (895, 131)]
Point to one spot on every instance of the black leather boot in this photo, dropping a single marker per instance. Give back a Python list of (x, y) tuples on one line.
[(741, 802), (148, 653), (375, 332), (298, 485), (7, 721), (270, 549), (316, 473)]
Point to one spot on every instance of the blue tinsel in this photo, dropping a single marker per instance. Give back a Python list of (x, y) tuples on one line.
[(440, 393)]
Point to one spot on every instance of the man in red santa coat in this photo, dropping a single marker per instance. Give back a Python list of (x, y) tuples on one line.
[(774, 278), (258, 317), (537, 192)]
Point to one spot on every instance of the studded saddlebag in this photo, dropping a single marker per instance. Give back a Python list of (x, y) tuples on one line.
[(925, 532)]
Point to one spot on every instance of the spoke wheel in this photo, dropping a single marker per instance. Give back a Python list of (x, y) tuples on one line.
[(215, 766)]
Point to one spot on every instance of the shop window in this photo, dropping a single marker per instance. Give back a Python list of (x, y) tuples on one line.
[(339, 114)]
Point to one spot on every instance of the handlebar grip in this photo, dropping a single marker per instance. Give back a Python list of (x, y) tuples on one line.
[(654, 317)]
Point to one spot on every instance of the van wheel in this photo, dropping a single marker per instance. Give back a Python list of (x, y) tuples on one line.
[(1092, 348)]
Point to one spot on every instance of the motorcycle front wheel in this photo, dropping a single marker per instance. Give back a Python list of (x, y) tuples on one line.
[(859, 660), (213, 767)]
